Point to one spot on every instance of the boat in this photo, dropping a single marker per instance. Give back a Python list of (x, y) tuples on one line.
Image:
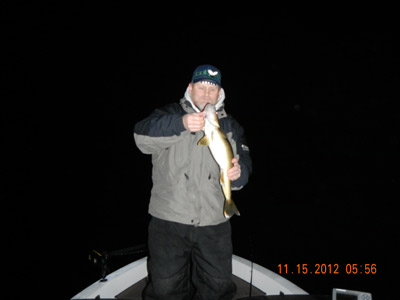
[(252, 280)]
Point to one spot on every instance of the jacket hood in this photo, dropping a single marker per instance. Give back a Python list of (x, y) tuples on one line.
[(220, 100)]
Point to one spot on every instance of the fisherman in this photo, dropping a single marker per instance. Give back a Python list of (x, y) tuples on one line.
[(189, 238)]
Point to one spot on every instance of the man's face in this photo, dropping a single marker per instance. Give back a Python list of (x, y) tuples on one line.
[(203, 93)]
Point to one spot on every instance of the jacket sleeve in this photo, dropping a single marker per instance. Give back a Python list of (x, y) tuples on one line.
[(162, 128), (242, 151)]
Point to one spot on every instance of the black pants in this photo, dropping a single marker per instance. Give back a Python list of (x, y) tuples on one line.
[(188, 262)]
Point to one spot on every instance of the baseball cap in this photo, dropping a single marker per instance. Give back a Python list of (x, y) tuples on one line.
[(207, 73)]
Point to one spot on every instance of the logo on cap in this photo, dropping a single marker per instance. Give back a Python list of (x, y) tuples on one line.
[(207, 73), (212, 73)]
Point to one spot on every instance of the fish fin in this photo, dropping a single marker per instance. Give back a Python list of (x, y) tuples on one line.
[(204, 141), (215, 123), (230, 209)]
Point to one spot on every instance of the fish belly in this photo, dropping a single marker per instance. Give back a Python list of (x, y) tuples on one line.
[(222, 153)]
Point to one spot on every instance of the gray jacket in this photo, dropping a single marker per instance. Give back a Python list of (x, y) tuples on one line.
[(186, 186)]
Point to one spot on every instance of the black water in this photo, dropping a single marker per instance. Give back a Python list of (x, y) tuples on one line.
[(315, 95)]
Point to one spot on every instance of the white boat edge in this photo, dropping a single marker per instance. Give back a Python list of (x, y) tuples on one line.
[(267, 281)]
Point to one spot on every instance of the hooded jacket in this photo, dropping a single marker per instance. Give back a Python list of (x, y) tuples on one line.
[(186, 186)]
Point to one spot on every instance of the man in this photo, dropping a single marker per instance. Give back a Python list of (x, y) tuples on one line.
[(190, 246)]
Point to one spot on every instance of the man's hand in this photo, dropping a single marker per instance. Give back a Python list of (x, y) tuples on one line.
[(234, 172), (194, 122)]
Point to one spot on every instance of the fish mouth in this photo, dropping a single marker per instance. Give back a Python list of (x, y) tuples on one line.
[(208, 106), (206, 102), (202, 106)]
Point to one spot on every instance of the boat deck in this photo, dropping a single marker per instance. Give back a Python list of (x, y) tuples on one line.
[(134, 292)]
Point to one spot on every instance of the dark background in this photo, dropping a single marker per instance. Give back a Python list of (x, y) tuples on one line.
[(314, 87)]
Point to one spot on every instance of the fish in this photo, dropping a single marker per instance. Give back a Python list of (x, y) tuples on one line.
[(221, 151)]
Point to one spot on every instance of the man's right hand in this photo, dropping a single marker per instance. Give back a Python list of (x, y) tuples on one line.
[(194, 121)]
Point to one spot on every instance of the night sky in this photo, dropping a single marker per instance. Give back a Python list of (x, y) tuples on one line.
[(315, 89)]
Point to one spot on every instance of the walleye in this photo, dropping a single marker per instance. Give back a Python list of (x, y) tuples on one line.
[(221, 150)]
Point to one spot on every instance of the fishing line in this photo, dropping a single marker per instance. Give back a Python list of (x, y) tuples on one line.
[(252, 264), (251, 278)]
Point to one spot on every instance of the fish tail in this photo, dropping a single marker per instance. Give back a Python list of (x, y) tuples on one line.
[(230, 209)]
